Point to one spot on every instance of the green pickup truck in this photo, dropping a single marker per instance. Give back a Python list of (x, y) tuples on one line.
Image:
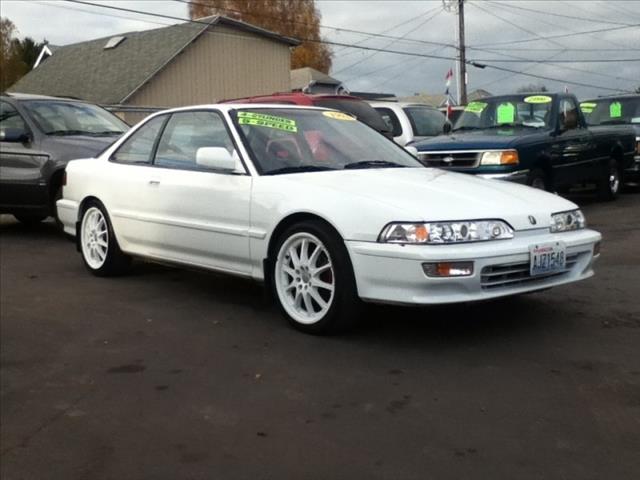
[(538, 139)]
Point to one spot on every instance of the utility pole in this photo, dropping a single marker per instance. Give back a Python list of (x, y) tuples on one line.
[(462, 68)]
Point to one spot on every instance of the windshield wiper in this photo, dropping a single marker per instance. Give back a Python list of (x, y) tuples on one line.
[(465, 127), (373, 164), (614, 122), (510, 125), (299, 169), (84, 132)]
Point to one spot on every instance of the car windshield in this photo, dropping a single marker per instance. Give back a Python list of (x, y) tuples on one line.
[(73, 118), (612, 111), (425, 122), (524, 111), (285, 140)]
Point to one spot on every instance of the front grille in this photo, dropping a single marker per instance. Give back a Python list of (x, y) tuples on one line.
[(449, 159), (510, 275)]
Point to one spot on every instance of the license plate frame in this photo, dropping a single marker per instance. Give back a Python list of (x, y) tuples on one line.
[(547, 258)]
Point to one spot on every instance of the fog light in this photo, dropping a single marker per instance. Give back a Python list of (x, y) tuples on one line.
[(448, 269), (596, 249)]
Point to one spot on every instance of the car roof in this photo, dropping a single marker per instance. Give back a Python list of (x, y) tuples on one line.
[(294, 95), (612, 97), (33, 96), (382, 103), (226, 107)]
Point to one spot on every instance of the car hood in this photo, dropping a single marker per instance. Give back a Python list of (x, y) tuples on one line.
[(423, 194), (77, 146), (476, 140)]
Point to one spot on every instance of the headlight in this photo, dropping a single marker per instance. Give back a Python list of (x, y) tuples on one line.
[(446, 232), (567, 221), (506, 157)]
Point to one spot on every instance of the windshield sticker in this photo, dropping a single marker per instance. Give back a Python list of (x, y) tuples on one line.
[(475, 107), (269, 121), (615, 110), (538, 99), (338, 116), (506, 113), (587, 107)]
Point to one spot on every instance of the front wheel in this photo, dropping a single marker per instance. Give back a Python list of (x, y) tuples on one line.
[(538, 179), (610, 181), (313, 279), (100, 250)]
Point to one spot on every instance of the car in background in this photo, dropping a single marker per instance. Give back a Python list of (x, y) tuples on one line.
[(454, 112), (617, 110), (345, 103), (410, 122), (540, 140), (321, 208), (38, 136)]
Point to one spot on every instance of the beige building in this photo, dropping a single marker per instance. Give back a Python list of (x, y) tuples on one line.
[(212, 59)]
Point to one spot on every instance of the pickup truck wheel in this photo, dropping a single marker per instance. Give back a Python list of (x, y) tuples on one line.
[(538, 179), (98, 245), (610, 181), (313, 281), (29, 219)]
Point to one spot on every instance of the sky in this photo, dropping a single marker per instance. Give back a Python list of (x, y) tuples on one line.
[(500, 34)]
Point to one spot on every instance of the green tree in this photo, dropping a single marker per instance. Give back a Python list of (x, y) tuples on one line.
[(292, 18), (17, 57)]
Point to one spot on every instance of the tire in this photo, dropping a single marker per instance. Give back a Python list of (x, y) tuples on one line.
[(321, 302), (539, 179), (29, 219), (99, 248), (610, 181)]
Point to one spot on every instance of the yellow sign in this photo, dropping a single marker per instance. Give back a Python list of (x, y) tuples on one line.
[(538, 99), (269, 121), (338, 116), (475, 107)]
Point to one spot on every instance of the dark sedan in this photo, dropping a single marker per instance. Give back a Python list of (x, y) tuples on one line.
[(38, 136)]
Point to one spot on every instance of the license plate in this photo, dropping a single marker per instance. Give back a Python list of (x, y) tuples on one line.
[(547, 258)]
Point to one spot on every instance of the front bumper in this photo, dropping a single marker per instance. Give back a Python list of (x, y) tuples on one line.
[(389, 273), (519, 176), (68, 215)]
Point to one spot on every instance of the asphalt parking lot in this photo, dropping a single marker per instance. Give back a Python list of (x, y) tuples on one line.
[(175, 374)]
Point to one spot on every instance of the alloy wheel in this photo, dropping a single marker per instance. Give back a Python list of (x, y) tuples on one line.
[(94, 238)]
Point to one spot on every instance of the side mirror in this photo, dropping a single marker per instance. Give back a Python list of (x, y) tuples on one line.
[(14, 135), (216, 158), (447, 127), (412, 150)]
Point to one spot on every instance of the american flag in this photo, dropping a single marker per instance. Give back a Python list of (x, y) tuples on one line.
[(448, 78)]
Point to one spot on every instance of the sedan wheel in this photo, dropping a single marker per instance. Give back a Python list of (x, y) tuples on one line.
[(100, 250), (305, 278), (313, 279)]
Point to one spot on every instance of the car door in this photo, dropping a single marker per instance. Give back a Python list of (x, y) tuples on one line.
[(573, 159), (203, 214), (21, 163), (130, 183)]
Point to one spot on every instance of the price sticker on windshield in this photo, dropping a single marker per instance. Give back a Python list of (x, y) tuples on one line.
[(538, 99), (338, 116), (615, 110), (475, 107), (269, 121), (587, 107), (506, 113)]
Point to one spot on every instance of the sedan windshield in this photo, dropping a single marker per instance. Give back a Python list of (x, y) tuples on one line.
[(283, 140), (425, 122), (612, 111), (74, 118), (525, 111)]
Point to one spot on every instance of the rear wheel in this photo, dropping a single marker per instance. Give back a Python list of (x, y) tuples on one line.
[(100, 250), (313, 279), (610, 180)]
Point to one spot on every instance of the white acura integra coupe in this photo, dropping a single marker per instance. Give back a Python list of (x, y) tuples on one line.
[(320, 207)]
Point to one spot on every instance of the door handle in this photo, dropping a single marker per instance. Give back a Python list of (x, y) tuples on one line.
[(154, 182)]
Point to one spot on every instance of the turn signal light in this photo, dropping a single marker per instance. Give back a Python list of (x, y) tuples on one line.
[(448, 269)]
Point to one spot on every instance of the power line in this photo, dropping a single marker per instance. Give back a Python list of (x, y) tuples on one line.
[(592, 60), (555, 14), (412, 54), (337, 29), (387, 44)]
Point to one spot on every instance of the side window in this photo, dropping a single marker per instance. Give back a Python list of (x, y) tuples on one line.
[(391, 119), (138, 148), (185, 133), (568, 114), (10, 118)]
